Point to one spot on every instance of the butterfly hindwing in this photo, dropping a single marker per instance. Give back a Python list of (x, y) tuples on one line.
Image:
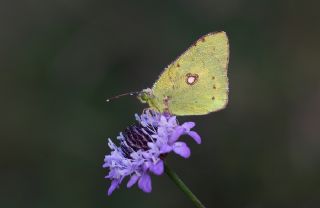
[(196, 83)]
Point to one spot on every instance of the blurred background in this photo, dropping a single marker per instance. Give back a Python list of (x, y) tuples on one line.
[(61, 59)]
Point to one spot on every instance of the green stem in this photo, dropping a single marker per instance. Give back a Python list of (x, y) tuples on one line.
[(175, 178)]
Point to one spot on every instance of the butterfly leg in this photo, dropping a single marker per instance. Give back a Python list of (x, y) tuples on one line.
[(166, 104)]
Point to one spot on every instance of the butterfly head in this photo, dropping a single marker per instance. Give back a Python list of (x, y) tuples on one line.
[(145, 95)]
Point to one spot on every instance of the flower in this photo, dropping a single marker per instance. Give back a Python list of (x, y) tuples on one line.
[(143, 147)]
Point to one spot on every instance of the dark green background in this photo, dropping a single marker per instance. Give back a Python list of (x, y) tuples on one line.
[(60, 60)]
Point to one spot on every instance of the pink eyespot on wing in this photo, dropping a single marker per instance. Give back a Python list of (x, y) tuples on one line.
[(191, 79)]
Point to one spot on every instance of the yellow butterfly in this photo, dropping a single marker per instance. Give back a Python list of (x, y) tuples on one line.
[(196, 83)]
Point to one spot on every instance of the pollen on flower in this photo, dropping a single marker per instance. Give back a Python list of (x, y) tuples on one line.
[(142, 149)]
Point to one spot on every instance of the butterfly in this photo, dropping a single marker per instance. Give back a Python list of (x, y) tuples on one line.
[(196, 83)]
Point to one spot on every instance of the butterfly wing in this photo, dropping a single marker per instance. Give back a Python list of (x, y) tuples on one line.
[(196, 83)]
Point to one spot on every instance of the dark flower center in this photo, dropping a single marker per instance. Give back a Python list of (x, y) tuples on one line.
[(136, 138)]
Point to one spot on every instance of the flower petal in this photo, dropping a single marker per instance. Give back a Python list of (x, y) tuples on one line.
[(196, 137), (132, 180), (165, 149), (157, 168), (163, 120), (162, 132), (176, 134), (188, 125), (146, 165), (145, 183), (172, 122), (113, 186), (181, 149)]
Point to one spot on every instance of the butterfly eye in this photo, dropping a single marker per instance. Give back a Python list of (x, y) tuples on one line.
[(145, 95)]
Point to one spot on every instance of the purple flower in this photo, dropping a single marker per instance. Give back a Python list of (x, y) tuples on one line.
[(143, 147)]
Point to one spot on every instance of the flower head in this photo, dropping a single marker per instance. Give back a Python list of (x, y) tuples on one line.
[(143, 147)]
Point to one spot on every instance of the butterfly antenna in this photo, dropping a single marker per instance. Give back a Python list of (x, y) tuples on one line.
[(121, 95)]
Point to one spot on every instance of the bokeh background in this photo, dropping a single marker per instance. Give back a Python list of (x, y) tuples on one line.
[(61, 59)]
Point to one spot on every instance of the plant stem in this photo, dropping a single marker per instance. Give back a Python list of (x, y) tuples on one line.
[(175, 178)]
